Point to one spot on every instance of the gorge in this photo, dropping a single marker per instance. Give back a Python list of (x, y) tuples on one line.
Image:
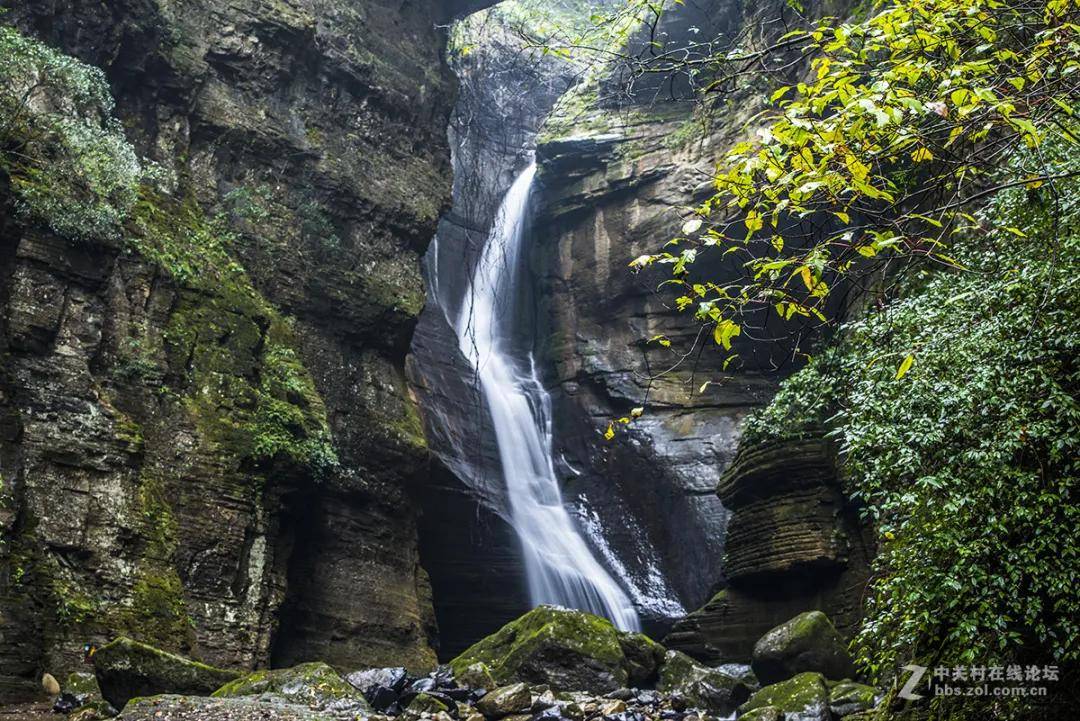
[(340, 352)]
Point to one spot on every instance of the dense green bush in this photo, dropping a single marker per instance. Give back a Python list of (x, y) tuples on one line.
[(68, 161), (966, 455)]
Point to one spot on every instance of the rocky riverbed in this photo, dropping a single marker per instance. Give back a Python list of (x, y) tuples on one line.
[(551, 664)]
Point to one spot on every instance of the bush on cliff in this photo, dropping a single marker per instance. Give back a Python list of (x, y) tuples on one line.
[(68, 161), (966, 458)]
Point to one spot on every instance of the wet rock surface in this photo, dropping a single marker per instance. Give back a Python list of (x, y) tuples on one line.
[(312, 685), (794, 542), (568, 650), (127, 495), (808, 642), (804, 697), (126, 669)]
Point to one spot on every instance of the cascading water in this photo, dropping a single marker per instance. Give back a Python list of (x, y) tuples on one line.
[(560, 567)]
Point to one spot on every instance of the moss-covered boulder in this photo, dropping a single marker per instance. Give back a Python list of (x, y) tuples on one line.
[(848, 697), (82, 694), (564, 649), (476, 675), (804, 697), (765, 713), (711, 689), (426, 703), (643, 657), (194, 708), (808, 642), (126, 669), (314, 685), (505, 701)]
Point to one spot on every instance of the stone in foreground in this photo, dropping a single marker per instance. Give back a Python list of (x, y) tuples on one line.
[(808, 642), (706, 688), (848, 697), (312, 685), (126, 669), (801, 698), (194, 708), (505, 700), (567, 650)]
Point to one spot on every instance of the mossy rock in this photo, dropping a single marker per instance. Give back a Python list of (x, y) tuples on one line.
[(808, 642), (92, 706), (765, 713), (476, 675), (567, 650), (426, 703), (314, 685), (126, 669), (705, 688), (193, 708), (643, 657), (505, 701), (848, 697), (803, 698), (82, 684)]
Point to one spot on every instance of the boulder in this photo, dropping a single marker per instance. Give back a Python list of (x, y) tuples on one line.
[(848, 697), (643, 658), (428, 703), (801, 698), (505, 701), (312, 685), (476, 675), (195, 708), (82, 695), (567, 650), (706, 688), (765, 713), (126, 669), (381, 687), (367, 680), (808, 642)]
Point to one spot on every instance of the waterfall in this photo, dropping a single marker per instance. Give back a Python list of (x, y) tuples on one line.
[(560, 567)]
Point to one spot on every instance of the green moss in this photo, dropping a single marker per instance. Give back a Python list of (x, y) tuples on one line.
[(247, 388), (69, 165), (314, 685), (693, 130), (806, 690), (545, 628), (126, 668)]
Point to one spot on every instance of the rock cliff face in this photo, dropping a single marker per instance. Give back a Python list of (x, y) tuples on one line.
[(794, 543), (614, 173), (206, 438)]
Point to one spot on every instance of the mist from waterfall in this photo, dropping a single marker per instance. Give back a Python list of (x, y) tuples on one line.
[(561, 569)]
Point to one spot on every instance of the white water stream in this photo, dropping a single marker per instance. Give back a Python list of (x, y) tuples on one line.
[(561, 568)]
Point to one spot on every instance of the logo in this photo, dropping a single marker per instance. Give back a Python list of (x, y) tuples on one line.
[(908, 691)]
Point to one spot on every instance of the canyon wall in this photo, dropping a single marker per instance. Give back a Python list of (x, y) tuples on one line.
[(623, 162), (207, 438)]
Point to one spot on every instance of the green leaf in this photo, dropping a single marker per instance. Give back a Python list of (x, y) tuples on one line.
[(905, 366)]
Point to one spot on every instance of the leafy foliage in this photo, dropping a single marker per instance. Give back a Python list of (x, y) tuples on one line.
[(957, 416), (879, 153), (70, 165)]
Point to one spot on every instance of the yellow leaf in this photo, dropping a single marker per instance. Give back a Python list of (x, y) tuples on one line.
[(905, 366), (610, 432), (807, 279), (922, 155), (844, 217), (754, 221), (724, 331), (636, 412)]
